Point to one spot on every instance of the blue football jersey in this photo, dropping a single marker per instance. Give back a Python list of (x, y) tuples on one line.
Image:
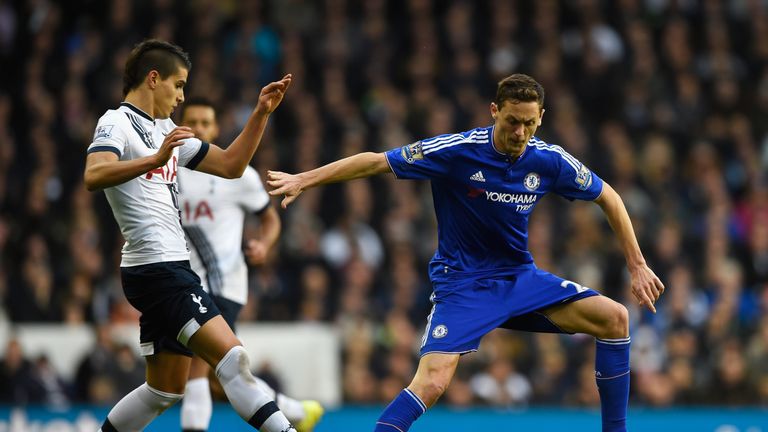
[(483, 198)]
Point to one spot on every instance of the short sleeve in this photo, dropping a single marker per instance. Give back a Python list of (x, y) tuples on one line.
[(575, 180), (254, 197), (418, 161), (109, 135), (192, 152)]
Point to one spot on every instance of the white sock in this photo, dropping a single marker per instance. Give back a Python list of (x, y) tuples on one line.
[(139, 407), (251, 402), (292, 408), (196, 407)]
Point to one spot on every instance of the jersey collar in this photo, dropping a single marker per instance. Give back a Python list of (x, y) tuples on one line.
[(138, 111)]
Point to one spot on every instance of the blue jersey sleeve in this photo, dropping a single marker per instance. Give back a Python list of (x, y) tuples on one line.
[(412, 162), (575, 180)]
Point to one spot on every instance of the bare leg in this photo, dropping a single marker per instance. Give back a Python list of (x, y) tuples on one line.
[(432, 378)]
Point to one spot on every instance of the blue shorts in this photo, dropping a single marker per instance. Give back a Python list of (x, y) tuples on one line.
[(172, 303), (465, 310)]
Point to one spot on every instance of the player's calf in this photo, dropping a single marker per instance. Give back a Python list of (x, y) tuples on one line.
[(138, 408)]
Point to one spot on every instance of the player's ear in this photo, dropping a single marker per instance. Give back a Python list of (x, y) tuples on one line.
[(540, 117), (152, 78), (494, 110)]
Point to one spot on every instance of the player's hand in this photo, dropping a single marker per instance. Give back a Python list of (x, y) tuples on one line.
[(175, 138), (646, 286), (272, 94), (285, 184), (256, 252)]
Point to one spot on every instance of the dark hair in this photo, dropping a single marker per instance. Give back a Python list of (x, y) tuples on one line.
[(196, 101), (153, 54), (519, 88)]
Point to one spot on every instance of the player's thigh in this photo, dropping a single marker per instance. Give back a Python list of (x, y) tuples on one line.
[(596, 315), (213, 340), (168, 372)]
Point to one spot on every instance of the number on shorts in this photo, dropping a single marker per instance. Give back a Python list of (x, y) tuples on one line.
[(579, 288)]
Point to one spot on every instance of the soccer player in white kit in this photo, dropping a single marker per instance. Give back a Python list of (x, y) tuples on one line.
[(213, 210), (134, 157)]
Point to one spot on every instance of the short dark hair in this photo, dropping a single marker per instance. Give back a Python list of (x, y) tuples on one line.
[(153, 54), (519, 88), (196, 101)]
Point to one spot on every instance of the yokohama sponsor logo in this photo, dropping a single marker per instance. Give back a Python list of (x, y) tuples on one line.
[(510, 198)]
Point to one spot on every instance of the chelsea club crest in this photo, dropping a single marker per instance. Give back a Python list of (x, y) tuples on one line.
[(532, 181), (440, 331)]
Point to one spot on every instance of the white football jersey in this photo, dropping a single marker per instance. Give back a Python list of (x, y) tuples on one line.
[(146, 208), (213, 210)]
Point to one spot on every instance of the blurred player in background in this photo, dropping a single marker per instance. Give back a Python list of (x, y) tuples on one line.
[(213, 211), (485, 184), (134, 157)]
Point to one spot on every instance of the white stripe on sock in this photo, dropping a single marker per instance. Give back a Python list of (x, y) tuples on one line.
[(418, 400), (621, 341)]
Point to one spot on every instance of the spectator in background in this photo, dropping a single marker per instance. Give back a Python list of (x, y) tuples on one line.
[(19, 384)]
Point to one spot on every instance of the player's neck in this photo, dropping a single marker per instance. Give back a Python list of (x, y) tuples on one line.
[(140, 101), (512, 154)]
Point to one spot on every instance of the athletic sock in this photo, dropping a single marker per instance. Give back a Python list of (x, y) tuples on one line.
[(138, 408), (196, 407), (292, 408), (401, 413), (612, 376), (252, 404)]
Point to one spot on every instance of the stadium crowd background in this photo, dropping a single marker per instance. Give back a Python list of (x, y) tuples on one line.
[(667, 100)]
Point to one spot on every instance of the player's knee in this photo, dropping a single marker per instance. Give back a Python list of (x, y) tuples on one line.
[(618, 321), (429, 390), (235, 363), (431, 385)]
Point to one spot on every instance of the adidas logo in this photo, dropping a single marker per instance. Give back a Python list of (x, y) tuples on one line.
[(478, 176)]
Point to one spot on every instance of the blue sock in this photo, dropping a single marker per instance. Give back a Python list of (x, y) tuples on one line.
[(612, 375), (401, 413)]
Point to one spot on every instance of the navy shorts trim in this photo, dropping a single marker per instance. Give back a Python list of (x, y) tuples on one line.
[(172, 303)]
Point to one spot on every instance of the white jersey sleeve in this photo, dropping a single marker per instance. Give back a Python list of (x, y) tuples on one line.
[(192, 152), (254, 197), (110, 134)]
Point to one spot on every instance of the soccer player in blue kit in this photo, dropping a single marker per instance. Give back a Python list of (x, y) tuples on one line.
[(485, 184)]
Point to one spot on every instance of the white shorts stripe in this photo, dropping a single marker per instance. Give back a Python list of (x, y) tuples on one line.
[(187, 331), (429, 321)]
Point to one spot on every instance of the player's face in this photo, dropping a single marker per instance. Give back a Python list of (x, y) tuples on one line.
[(202, 120), (169, 93), (515, 124)]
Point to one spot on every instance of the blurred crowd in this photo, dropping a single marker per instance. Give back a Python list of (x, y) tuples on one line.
[(667, 100)]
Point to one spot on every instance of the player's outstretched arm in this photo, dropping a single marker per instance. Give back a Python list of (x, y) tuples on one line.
[(357, 166), (231, 163), (646, 286), (104, 169)]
